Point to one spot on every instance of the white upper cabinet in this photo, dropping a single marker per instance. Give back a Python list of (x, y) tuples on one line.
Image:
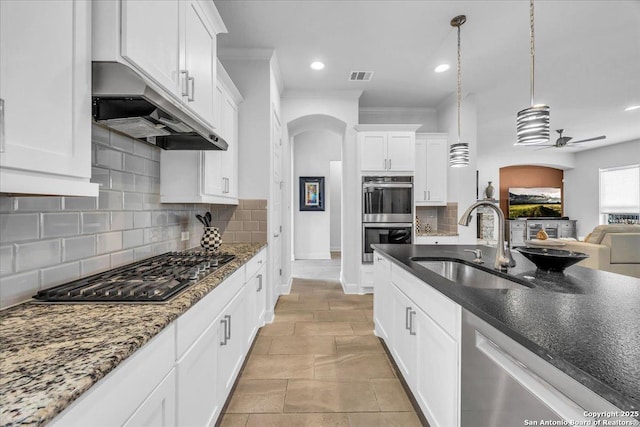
[(207, 176), (430, 182), (45, 91), (387, 148), (171, 42)]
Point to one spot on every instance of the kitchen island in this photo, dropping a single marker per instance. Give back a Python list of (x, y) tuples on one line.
[(585, 323), (50, 354)]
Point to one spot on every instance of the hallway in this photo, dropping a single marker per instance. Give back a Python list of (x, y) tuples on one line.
[(319, 364)]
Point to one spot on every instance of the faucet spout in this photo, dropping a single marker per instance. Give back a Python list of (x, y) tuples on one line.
[(503, 258)]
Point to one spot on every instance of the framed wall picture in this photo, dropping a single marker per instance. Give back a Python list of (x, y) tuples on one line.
[(312, 193)]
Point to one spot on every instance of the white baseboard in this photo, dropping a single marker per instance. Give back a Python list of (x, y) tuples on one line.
[(349, 288), (285, 288)]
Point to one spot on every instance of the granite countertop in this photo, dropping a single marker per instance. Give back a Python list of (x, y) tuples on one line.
[(52, 353), (585, 322), (436, 233)]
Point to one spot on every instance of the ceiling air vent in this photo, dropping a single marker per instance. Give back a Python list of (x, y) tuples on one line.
[(360, 76)]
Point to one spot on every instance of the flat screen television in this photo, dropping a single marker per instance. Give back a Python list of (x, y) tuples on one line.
[(536, 202)]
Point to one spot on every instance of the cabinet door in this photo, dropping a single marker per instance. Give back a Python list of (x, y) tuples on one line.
[(373, 151), (401, 151), (231, 350), (420, 174), (436, 173), (159, 409), (437, 375), (261, 298), (197, 379), (212, 182), (382, 312), (230, 157), (199, 61), (403, 343), (151, 40), (45, 83)]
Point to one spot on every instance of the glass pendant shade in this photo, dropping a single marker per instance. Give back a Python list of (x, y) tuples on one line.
[(532, 125), (459, 155)]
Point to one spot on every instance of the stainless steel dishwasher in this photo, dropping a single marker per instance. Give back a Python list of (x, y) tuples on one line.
[(497, 389)]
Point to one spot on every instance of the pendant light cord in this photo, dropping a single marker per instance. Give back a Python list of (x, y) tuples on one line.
[(533, 50), (459, 83)]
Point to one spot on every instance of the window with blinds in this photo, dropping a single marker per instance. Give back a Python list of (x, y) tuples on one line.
[(620, 190)]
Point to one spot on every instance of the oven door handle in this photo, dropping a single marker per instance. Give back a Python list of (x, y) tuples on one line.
[(387, 224), (388, 185)]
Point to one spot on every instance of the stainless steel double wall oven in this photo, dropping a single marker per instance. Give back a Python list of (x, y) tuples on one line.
[(387, 211)]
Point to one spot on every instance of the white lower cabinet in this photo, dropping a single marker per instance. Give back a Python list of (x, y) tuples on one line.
[(198, 401), (159, 409), (422, 329), (183, 376)]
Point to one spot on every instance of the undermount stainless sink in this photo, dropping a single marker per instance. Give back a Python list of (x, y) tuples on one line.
[(467, 275)]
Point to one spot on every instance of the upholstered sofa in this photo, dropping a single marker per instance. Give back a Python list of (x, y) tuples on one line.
[(614, 248)]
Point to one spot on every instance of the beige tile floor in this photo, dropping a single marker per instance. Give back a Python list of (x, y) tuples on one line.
[(319, 364)]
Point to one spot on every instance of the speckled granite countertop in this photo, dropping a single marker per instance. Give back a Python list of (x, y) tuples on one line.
[(52, 353), (436, 233), (586, 323)]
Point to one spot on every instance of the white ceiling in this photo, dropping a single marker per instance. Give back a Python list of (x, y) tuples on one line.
[(587, 56)]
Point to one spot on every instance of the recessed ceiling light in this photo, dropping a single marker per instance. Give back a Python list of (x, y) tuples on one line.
[(441, 68), (317, 65), (633, 107)]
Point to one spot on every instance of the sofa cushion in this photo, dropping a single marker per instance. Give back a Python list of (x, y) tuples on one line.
[(600, 231), (625, 247)]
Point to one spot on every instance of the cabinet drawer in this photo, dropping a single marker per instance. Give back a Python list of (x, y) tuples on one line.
[(196, 320), (255, 263), (520, 225), (441, 309)]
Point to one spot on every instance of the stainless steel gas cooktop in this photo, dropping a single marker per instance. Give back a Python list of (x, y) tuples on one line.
[(152, 280)]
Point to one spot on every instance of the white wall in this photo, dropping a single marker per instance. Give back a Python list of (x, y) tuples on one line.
[(342, 105), (427, 116), (335, 186), (461, 183), (312, 153), (582, 183)]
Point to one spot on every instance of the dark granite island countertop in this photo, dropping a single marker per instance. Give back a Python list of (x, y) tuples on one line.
[(52, 353), (585, 323)]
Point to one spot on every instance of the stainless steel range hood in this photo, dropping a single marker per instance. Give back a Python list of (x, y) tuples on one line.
[(124, 101)]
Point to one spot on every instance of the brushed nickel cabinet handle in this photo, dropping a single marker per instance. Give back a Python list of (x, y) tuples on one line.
[(185, 89), (192, 97), (224, 323), (228, 317), (406, 318), (259, 282), (411, 331)]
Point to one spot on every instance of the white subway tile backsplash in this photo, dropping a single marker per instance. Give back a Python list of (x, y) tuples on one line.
[(142, 219), (59, 274), (38, 204), (121, 142), (95, 265), (95, 222), (121, 220), (6, 260), (121, 258), (107, 157), (60, 224), (143, 184), (131, 238), (110, 200), (17, 288), (144, 150), (159, 218), (40, 254), (100, 134), (7, 203), (19, 227), (78, 248), (152, 168), (160, 248), (152, 202), (132, 201), (80, 203), (109, 242), (101, 176), (134, 164), (122, 181), (142, 252)]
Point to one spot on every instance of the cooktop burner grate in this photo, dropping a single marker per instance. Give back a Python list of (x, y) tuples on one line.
[(155, 279)]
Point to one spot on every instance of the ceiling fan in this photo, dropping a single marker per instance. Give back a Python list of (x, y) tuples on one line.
[(564, 141)]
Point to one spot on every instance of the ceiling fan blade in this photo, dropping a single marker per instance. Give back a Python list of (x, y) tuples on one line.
[(590, 139), (544, 147)]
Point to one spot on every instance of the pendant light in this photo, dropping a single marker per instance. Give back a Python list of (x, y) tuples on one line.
[(459, 152), (532, 123)]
